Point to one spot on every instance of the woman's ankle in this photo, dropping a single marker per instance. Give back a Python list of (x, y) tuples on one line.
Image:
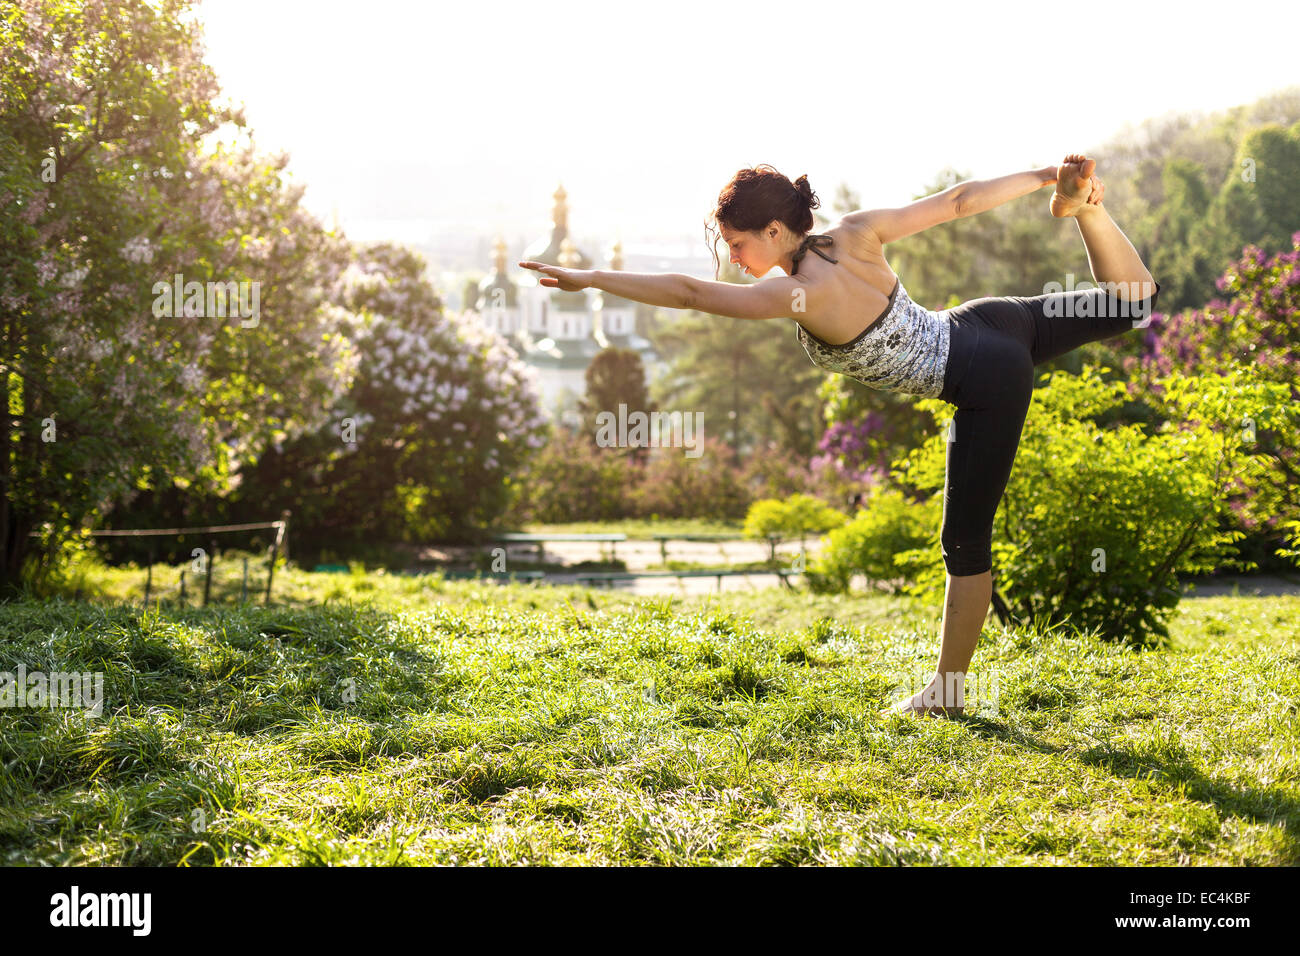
[(946, 689)]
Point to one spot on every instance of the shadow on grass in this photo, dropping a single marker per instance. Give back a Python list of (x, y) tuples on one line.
[(1171, 765)]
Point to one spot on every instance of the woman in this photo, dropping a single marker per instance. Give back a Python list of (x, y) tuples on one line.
[(855, 317)]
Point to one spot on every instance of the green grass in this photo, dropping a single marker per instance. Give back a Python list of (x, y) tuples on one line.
[(460, 722)]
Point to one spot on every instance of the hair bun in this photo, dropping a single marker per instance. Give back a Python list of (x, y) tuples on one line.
[(806, 191)]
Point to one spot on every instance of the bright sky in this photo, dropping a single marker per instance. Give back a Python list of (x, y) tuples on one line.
[(401, 111)]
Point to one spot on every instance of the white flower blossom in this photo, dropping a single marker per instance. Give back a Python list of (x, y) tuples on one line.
[(138, 250)]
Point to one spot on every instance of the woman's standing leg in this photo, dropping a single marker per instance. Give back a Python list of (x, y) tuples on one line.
[(992, 400)]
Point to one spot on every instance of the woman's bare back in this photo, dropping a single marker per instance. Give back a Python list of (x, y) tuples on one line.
[(845, 297)]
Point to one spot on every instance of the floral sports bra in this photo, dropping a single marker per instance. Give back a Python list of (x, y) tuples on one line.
[(904, 350)]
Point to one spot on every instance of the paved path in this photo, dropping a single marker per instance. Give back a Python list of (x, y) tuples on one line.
[(639, 555), (1247, 585)]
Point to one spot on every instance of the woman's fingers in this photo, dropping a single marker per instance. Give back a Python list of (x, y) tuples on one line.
[(543, 268), (553, 277)]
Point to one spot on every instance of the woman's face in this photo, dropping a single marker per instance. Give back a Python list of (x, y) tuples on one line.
[(755, 252)]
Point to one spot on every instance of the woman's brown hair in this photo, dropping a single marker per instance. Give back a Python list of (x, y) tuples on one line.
[(755, 197)]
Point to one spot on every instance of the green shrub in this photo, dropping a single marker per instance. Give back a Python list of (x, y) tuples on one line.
[(1291, 549), (797, 515), (571, 479), (677, 485), (1097, 521), (890, 539)]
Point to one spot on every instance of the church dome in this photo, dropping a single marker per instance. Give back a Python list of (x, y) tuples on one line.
[(570, 301), (609, 300), (548, 248), (496, 290)]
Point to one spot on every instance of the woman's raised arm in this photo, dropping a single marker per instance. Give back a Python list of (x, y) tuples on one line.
[(955, 202), (979, 195)]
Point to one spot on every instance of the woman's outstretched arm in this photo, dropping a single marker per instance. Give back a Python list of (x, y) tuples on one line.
[(768, 299), (672, 290), (979, 195)]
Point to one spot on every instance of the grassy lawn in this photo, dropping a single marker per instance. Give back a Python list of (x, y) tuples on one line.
[(376, 718)]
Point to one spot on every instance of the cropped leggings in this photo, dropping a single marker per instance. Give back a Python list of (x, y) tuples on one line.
[(994, 345)]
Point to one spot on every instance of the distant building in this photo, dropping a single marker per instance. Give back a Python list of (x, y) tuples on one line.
[(559, 333)]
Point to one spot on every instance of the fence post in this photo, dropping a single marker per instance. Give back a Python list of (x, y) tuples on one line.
[(148, 578), (270, 573), (275, 547), (182, 587), (243, 588), (207, 578)]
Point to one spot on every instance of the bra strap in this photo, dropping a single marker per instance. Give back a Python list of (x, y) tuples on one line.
[(812, 242)]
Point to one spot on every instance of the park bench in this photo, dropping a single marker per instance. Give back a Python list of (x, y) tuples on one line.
[(609, 577), (772, 541), (463, 575), (541, 539)]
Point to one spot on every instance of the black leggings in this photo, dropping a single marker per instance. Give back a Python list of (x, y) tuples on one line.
[(995, 344)]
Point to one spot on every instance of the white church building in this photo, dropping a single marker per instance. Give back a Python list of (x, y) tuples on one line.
[(559, 333)]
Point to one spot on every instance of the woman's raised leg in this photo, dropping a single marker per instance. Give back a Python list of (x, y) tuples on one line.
[(1125, 294), (1111, 256)]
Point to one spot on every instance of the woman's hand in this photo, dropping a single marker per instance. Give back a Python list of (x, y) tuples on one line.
[(1076, 186), (1098, 191), (566, 280)]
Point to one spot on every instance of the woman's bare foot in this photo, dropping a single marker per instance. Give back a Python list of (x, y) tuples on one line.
[(1076, 186), (926, 703)]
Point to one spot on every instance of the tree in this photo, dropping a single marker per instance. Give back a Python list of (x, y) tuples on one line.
[(615, 377), (1258, 202), (105, 199), (1180, 231)]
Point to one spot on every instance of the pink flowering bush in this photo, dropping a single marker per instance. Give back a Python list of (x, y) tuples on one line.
[(866, 429), (424, 445), (1257, 325)]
